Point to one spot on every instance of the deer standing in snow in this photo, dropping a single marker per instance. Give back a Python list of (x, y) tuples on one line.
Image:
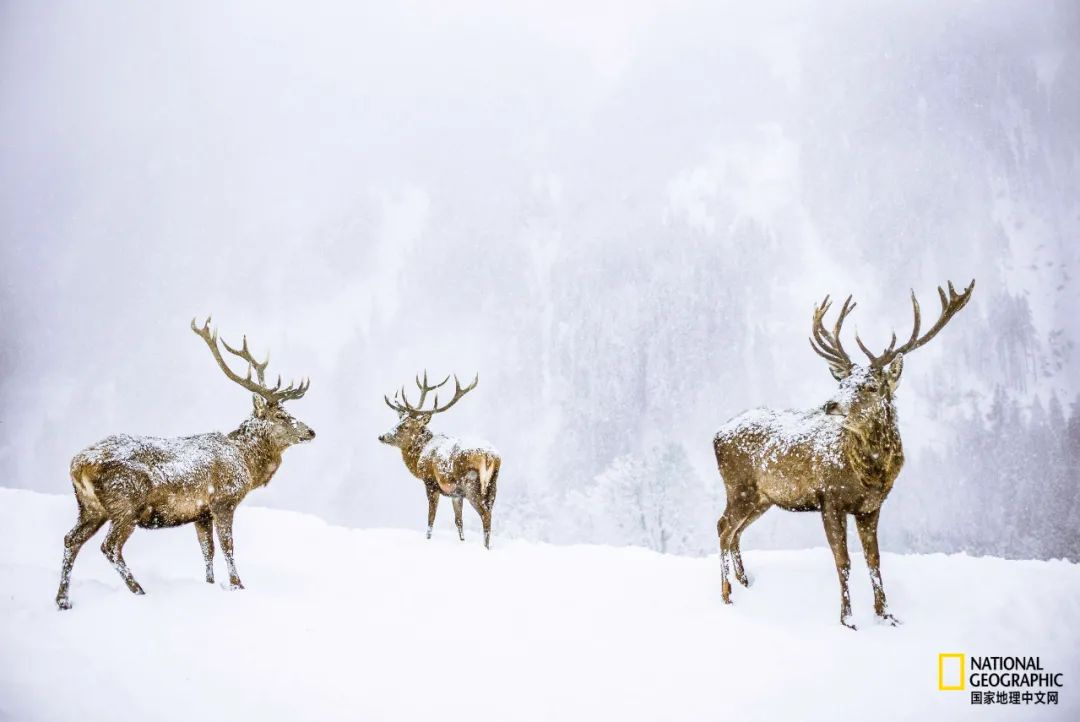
[(151, 482), (447, 466), (839, 459)]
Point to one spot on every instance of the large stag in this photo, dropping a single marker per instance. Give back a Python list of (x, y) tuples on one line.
[(447, 466), (839, 459), (151, 482)]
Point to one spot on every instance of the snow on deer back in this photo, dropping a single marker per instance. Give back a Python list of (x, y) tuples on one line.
[(451, 459)]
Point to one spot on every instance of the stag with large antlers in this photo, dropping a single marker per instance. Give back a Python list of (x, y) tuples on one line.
[(149, 482), (839, 459), (448, 467)]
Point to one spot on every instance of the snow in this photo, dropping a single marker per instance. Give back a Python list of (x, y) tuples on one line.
[(777, 432), (443, 449), (346, 624), (174, 460)]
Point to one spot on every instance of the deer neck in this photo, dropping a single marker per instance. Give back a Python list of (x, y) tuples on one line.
[(261, 456), (411, 451), (872, 445)]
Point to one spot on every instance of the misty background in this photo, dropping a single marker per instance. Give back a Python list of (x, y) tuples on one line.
[(619, 214)]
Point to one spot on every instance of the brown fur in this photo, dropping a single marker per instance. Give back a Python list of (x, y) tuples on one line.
[(838, 460), (148, 482), (447, 466)]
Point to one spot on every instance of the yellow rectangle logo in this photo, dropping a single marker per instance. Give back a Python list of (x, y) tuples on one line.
[(950, 671)]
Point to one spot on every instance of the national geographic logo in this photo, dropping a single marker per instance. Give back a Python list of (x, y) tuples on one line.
[(999, 680)]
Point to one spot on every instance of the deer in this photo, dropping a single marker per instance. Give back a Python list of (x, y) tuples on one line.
[(839, 459), (448, 466), (151, 483)]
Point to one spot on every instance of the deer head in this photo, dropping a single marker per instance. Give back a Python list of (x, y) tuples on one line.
[(413, 420), (281, 427), (866, 389)]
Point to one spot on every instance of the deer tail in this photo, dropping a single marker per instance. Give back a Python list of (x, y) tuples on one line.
[(488, 471), (83, 475)]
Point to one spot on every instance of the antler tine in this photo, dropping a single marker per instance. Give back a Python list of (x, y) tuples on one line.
[(847, 308), (825, 344), (257, 385), (950, 306), (917, 318), (291, 392), (245, 354), (395, 404), (819, 344), (425, 388), (458, 393), (404, 398), (865, 350)]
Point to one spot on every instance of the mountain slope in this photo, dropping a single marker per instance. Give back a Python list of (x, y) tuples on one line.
[(378, 625)]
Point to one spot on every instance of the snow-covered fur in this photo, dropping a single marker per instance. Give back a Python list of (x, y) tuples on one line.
[(457, 468), (839, 459), (153, 482)]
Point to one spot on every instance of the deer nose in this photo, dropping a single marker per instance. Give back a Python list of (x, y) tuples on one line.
[(311, 433)]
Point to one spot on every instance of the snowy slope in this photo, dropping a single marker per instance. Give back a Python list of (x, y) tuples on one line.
[(383, 625)]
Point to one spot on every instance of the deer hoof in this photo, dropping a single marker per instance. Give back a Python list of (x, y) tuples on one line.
[(744, 580), (63, 604), (136, 589), (846, 621), (890, 620), (235, 586)]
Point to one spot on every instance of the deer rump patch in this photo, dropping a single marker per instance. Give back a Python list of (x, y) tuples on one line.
[(456, 464)]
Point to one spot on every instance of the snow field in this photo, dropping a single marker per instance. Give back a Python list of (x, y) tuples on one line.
[(349, 624)]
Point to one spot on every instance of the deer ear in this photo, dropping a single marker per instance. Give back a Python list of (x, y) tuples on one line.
[(839, 372), (425, 419), (893, 371)]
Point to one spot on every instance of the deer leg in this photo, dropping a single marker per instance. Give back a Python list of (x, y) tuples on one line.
[(736, 539), (733, 516), (85, 528), (722, 527), (113, 549), (205, 529), (489, 502), (867, 526), (458, 504), (836, 532), (485, 518), (223, 521), (432, 505)]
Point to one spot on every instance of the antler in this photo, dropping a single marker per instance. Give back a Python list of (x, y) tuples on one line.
[(827, 345), (273, 395), (401, 402), (950, 305)]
